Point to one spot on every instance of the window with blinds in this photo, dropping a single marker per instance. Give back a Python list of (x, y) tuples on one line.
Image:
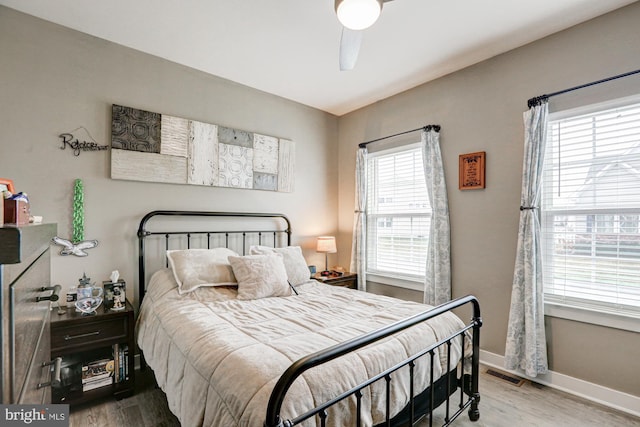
[(398, 214), (591, 211)]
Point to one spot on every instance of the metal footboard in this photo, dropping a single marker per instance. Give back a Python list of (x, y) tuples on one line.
[(466, 383)]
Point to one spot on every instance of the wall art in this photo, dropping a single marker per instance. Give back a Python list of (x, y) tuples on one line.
[(154, 147), (76, 245), (471, 171), (74, 143)]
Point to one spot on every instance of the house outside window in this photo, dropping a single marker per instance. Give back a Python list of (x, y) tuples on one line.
[(398, 217), (591, 210)]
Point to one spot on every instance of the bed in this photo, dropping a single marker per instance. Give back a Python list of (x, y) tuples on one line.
[(228, 353)]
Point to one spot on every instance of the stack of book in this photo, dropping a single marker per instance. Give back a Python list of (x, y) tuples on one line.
[(121, 358), (97, 373)]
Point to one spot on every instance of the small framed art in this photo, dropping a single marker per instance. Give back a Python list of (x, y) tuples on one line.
[(471, 171), (114, 295)]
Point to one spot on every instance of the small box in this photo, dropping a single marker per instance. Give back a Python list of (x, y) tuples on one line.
[(114, 294), (16, 212)]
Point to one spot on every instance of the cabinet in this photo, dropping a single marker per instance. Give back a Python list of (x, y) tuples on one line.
[(25, 296), (347, 280), (82, 341)]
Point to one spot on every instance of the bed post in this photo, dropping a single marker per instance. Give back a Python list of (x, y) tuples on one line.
[(474, 412)]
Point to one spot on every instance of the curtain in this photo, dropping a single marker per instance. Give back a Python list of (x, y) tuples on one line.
[(359, 245), (437, 288), (526, 343)]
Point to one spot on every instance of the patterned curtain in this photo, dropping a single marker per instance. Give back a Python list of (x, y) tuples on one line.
[(437, 288), (526, 348), (359, 246)]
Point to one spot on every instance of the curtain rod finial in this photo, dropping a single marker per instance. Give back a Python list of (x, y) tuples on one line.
[(534, 102), (435, 128)]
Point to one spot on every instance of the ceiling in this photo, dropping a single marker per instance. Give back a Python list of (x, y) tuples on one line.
[(290, 48)]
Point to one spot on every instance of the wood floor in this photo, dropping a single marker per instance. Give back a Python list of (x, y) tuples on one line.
[(502, 405)]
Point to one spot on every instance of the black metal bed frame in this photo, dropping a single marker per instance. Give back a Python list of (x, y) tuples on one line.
[(439, 391), (143, 233)]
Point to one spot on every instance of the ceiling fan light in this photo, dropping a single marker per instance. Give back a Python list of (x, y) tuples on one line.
[(358, 14)]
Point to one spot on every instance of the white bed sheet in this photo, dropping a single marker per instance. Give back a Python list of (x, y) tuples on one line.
[(218, 358)]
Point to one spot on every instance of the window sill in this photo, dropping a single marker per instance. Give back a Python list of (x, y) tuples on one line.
[(397, 282), (584, 315)]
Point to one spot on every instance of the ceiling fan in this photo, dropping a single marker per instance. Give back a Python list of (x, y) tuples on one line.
[(355, 16)]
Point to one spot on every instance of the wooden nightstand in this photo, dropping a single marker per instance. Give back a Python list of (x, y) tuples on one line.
[(83, 339), (348, 280)]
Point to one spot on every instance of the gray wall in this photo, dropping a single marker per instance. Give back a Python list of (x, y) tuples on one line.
[(53, 80), (480, 109)]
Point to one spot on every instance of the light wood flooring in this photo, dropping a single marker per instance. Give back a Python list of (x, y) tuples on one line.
[(502, 405)]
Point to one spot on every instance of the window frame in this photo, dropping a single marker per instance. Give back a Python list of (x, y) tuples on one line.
[(412, 282), (576, 309)]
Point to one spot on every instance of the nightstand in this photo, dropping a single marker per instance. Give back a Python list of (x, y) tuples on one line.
[(347, 280), (89, 346)]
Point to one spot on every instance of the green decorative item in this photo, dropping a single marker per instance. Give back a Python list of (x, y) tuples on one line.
[(78, 211), (77, 245)]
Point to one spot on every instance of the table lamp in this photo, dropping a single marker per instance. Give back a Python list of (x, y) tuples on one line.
[(326, 245)]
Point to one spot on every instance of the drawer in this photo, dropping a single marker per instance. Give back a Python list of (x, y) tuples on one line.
[(39, 373), (30, 323), (88, 332)]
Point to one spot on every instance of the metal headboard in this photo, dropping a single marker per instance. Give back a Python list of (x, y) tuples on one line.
[(143, 233)]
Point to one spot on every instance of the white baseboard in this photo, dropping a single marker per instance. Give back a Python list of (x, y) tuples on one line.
[(618, 400)]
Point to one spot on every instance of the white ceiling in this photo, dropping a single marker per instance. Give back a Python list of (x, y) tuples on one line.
[(290, 47)]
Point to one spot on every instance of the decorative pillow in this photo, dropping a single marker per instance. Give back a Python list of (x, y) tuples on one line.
[(294, 262), (193, 268), (260, 276)]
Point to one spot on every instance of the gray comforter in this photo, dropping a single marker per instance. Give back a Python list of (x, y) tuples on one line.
[(217, 358)]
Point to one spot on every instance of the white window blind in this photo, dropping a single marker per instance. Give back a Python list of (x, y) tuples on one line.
[(398, 214), (591, 211)]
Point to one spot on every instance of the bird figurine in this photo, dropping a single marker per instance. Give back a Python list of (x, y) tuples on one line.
[(77, 249)]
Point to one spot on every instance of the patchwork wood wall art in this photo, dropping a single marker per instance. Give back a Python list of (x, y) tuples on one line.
[(154, 147)]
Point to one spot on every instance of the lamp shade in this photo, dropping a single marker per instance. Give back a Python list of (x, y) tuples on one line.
[(326, 244), (358, 14)]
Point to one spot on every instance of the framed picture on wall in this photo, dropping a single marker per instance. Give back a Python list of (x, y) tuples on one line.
[(471, 171)]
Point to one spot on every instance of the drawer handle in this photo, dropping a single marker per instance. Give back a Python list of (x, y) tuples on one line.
[(54, 295), (73, 337), (55, 377)]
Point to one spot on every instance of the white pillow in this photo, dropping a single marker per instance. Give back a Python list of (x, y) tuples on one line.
[(193, 268), (294, 262), (260, 276)]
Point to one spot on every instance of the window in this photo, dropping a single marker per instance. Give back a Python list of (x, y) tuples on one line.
[(591, 211), (398, 214)]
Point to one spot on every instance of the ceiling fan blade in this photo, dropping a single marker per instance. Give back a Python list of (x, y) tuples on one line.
[(350, 41)]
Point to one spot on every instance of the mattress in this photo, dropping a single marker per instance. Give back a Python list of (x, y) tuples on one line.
[(218, 358)]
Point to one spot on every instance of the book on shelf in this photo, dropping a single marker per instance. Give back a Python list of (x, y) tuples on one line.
[(91, 385), (116, 358), (97, 370), (121, 362), (125, 362)]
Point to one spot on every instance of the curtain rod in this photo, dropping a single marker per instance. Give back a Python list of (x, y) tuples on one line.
[(538, 99), (427, 128)]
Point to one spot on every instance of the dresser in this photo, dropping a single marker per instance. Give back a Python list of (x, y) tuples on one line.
[(25, 300)]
